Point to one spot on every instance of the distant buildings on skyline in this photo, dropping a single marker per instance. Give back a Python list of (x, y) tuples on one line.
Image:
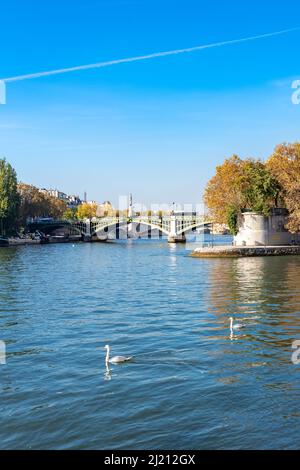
[(75, 201), (71, 201)]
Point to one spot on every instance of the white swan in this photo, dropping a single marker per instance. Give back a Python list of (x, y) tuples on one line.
[(115, 359), (237, 326)]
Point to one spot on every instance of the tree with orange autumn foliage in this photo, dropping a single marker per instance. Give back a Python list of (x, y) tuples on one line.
[(240, 185), (224, 189), (284, 164), (34, 203)]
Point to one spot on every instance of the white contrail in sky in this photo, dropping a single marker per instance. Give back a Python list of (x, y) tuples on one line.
[(144, 57)]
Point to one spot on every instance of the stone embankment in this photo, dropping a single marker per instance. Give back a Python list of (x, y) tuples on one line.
[(245, 251)]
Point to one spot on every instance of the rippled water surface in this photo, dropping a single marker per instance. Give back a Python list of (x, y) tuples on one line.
[(190, 385)]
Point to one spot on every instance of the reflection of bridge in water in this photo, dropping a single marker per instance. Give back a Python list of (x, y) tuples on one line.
[(175, 227)]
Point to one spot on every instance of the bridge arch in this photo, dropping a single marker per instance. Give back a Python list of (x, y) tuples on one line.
[(194, 226), (105, 223), (97, 227), (152, 225)]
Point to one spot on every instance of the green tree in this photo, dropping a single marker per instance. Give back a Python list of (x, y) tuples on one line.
[(232, 220), (260, 190), (9, 198)]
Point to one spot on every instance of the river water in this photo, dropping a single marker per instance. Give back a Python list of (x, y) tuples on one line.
[(190, 386)]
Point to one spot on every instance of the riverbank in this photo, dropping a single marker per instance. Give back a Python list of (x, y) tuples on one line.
[(244, 251), (6, 242)]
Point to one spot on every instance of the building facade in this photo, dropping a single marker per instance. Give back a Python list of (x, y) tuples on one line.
[(71, 201)]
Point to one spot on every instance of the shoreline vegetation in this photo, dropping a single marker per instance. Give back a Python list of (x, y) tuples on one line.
[(20, 203), (252, 185)]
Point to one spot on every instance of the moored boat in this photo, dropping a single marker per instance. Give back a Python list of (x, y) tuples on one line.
[(23, 241), (59, 239)]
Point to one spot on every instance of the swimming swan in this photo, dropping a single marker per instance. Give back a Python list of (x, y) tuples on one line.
[(115, 359), (237, 326)]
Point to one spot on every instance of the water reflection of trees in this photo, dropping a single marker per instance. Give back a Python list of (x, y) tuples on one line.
[(8, 283), (266, 289)]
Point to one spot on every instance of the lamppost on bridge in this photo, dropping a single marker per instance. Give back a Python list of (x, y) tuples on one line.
[(130, 207), (173, 236), (173, 208), (130, 215)]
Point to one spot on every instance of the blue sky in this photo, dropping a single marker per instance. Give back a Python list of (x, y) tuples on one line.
[(156, 128)]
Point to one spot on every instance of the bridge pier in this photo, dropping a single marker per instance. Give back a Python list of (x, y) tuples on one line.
[(173, 237), (87, 236), (177, 239)]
